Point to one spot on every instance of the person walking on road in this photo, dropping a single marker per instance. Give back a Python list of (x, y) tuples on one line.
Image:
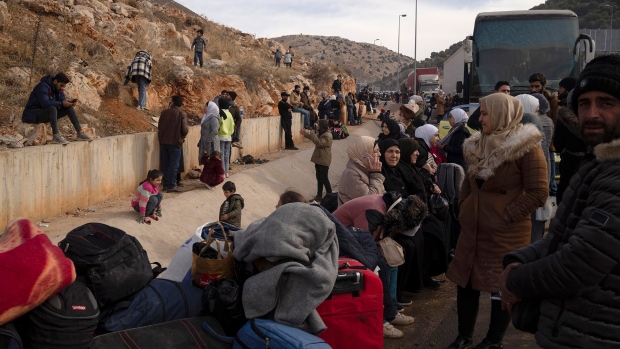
[(322, 156)]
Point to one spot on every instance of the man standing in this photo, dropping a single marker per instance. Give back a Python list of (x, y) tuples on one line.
[(296, 103), (575, 270), (139, 71), (172, 130), (47, 103), (337, 85), (286, 121), (198, 45), (538, 83), (237, 117)]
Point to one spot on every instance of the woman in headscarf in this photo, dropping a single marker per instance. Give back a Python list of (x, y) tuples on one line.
[(209, 125), (428, 137), (227, 127), (322, 156), (530, 110), (390, 130), (506, 180), (362, 175), (452, 143)]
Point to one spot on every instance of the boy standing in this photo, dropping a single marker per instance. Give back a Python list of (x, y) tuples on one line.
[(230, 211), (198, 45)]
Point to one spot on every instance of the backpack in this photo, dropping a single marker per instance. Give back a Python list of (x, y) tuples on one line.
[(160, 301), (222, 300), (66, 320), (450, 179), (262, 333), (110, 262)]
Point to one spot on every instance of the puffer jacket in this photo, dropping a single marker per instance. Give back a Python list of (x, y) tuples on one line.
[(322, 154), (580, 283)]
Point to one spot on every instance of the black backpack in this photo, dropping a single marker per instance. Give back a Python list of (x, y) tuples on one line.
[(110, 262), (222, 300), (66, 320), (330, 201)]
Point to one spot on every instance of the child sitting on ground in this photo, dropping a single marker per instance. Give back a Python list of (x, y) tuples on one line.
[(230, 211), (147, 198), (213, 171)]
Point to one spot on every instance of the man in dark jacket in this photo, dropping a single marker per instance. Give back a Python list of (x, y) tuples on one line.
[(576, 269), (325, 107), (172, 130), (237, 117), (286, 121), (47, 103), (337, 85)]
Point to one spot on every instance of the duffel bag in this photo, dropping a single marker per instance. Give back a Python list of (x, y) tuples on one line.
[(179, 334), (160, 301), (66, 320), (33, 269), (261, 333), (110, 262)]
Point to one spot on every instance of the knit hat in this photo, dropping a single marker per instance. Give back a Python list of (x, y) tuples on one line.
[(568, 83), (543, 107), (233, 95), (601, 74)]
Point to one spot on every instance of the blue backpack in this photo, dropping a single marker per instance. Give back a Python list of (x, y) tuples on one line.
[(261, 333), (160, 301)]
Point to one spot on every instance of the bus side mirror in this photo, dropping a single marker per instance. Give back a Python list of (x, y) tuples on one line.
[(467, 49), (589, 45), (459, 86)]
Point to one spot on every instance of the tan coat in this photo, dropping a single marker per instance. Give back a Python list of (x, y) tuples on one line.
[(356, 181), (495, 219), (322, 154), (439, 109), (295, 100)]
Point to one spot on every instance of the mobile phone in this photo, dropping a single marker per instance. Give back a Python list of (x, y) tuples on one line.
[(368, 157)]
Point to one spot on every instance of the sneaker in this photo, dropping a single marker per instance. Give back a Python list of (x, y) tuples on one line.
[(144, 107), (402, 319), (390, 331), (226, 175), (430, 283), (489, 344), (60, 139), (208, 186), (292, 148), (139, 107), (404, 301), (400, 308), (461, 342), (237, 144), (84, 137)]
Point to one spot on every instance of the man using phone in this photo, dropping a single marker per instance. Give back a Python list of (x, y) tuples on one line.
[(47, 103)]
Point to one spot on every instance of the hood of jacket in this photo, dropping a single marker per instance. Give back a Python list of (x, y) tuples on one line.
[(237, 197), (513, 148), (608, 151)]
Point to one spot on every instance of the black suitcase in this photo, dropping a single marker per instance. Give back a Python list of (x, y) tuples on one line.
[(179, 334)]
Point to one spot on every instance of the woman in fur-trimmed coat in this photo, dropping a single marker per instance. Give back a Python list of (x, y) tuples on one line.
[(506, 180)]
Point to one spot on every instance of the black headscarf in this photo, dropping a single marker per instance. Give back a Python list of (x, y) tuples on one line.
[(394, 129), (223, 104), (393, 178), (413, 178)]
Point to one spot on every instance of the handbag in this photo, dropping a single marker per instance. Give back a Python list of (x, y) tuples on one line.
[(547, 212), (212, 259), (392, 251)]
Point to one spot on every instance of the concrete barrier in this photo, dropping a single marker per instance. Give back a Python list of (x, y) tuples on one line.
[(46, 181)]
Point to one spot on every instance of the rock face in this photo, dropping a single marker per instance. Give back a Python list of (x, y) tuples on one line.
[(5, 16), (85, 89), (182, 75)]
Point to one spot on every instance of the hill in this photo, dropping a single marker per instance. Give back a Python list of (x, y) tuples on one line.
[(592, 14), (93, 42)]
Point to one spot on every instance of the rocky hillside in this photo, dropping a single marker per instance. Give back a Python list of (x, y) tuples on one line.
[(93, 41), (355, 57)]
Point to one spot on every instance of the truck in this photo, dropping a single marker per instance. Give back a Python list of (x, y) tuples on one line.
[(513, 45), (424, 79), (453, 71)]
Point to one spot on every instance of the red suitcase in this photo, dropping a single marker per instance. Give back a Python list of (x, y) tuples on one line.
[(353, 312)]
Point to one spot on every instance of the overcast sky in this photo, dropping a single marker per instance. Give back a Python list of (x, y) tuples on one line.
[(440, 22)]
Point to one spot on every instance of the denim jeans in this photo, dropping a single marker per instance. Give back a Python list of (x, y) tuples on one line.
[(52, 114), (142, 82), (198, 58), (151, 206), (305, 113), (225, 147), (170, 156), (387, 274)]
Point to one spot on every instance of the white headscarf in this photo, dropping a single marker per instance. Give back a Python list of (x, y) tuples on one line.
[(426, 132), (459, 115), (529, 103), (212, 111)]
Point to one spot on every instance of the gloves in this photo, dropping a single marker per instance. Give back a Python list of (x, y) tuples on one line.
[(158, 212)]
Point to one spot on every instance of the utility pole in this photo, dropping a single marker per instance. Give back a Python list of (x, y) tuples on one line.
[(372, 65), (398, 72)]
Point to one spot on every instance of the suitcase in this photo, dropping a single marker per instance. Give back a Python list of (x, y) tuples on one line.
[(354, 308), (179, 334)]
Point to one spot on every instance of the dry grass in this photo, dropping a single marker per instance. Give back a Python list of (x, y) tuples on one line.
[(320, 74), (251, 71)]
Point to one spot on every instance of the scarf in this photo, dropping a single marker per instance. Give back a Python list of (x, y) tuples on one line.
[(426, 132), (212, 111), (505, 113), (393, 178), (360, 147), (460, 119), (414, 183), (530, 103), (394, 129)]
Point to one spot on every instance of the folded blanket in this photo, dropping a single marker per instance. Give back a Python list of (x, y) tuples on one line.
[(33, 269), (299, 242)]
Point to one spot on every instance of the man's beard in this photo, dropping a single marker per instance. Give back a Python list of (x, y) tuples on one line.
[(612, 131)]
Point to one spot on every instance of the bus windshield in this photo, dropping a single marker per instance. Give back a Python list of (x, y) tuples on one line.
[(514, 49)]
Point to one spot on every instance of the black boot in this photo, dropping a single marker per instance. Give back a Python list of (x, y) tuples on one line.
[(489, 344), (461, 342)]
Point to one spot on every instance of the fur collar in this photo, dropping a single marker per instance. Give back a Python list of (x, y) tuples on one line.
[(515, 146), (608, 151)]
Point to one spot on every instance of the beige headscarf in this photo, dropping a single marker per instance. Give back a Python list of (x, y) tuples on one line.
[(505, 113), (360, 147)]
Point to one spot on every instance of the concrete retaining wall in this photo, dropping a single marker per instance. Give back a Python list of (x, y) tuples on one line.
[(46, 181)]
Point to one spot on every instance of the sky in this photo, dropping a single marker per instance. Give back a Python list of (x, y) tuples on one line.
[(441, 23)]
